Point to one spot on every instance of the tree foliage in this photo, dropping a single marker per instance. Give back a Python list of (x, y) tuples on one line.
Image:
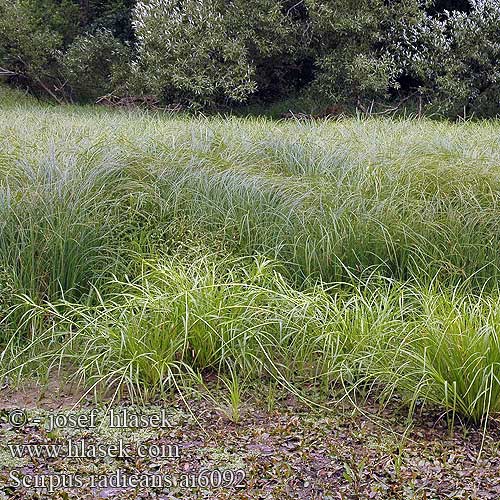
[(207, 51), (454, 58), (350, 39), (213, 53), (28, 42), (95, 64)]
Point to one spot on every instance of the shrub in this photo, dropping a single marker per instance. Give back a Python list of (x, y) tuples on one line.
[(184, 53), (34, 34), (454, 59), (277, 44), (349, 39), (205, 51), (27, 43), (95, 64), (114, 15)]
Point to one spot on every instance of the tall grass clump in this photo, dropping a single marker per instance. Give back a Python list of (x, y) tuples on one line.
[(68, 221), (405, 197), (336, 196), (52, 238), (451, 355), (142, 252), (182, 319)]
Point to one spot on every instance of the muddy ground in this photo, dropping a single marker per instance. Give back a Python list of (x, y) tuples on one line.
[(196, 447)]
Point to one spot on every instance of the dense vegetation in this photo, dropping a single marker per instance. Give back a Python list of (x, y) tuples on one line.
[(141, 253), (439, 57)]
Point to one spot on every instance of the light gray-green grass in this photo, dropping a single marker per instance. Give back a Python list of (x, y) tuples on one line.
[(142, 251)]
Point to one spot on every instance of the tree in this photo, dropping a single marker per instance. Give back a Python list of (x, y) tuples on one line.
[(95, 64), (454, 59), (28, 44), (350, 38), (207, 51)]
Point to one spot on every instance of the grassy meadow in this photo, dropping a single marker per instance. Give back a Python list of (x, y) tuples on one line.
[(142, 254)]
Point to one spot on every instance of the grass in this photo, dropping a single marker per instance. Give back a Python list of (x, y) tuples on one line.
[(142, 253)]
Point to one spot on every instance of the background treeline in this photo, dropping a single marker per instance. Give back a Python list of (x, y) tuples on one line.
[(438, 56)]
